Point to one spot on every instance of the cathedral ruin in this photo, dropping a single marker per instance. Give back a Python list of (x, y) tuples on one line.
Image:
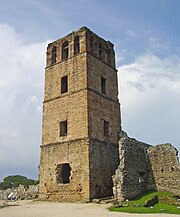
[(81, 129)]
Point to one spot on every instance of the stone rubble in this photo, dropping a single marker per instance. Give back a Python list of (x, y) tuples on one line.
[(20, 193)]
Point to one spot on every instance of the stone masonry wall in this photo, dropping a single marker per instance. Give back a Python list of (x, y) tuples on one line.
[(101, 109), (100, 48), (103, 106), (74, 68), (165, 165), (70, 38), (73, 109), (75, 153), (104, 160), (70, 149), (130, 179)]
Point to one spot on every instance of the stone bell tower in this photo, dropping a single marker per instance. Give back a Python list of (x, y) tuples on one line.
[(81, 119)]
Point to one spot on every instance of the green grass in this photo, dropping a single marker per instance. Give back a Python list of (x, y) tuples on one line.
[(141, 200), (137, 206)]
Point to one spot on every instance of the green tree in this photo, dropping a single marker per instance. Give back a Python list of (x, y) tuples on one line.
[(16, 180)]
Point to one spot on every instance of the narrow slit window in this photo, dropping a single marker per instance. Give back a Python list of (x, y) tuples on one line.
[(91, 44), (142, 177), (106, 128), (100, 51), (64, 84), (108, 56), (65, 50), (54, 55), (76, 45), (63, 128), (103, 85)]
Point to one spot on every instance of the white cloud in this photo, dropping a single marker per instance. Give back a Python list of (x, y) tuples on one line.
[(149, 94), (39, 109), (33, 99), (21, 96), (156, 43), (131, 33)]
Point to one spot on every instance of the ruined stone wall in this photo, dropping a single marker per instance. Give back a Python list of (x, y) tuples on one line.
[(103, 161), (130, 179), (145, 168), (166, 168), (20, 193), (77, 155)]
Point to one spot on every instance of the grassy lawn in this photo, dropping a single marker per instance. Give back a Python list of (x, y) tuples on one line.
[(137, 206)]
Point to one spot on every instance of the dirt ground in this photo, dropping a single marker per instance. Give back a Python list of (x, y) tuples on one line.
[(51, 209)]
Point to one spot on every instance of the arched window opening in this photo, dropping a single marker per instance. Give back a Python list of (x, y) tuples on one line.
[(54, 55), (76, 45), (65, 50)]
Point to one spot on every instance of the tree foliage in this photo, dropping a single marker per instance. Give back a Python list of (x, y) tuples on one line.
[(16, 180)]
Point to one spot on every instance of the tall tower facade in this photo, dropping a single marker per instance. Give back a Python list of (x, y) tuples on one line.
[(81, 119)]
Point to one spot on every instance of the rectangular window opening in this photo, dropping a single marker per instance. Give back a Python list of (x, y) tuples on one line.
[(63, 128), (63, 172), (103, 85), (106, 128), (64, 84)]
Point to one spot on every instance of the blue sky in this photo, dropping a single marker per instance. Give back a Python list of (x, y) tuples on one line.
[(146, 35)]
